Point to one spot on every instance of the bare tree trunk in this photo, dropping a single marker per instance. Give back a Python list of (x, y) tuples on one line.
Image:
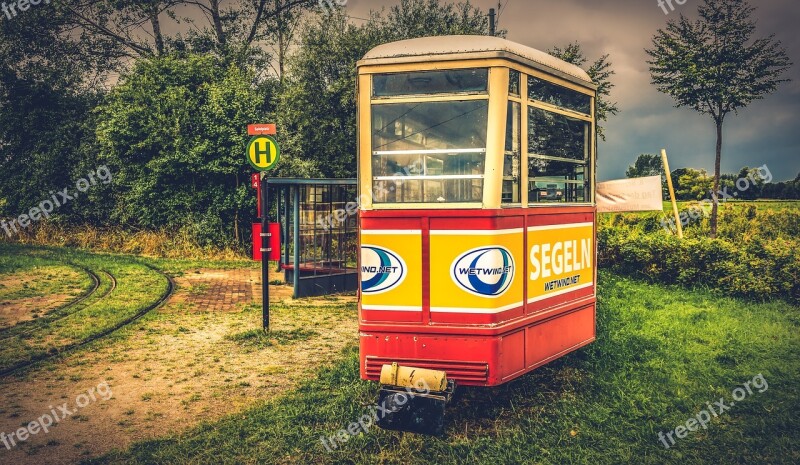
[(714, 195), (157, 30), (217, 20), (281, 53)]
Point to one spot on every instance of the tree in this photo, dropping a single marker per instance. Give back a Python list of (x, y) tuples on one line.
[(646, 165), (600, 71), (138, 28), (754, 183), (694, 184), (171, 132), (715, 66), (317, 108), (676, 181), (45, 108), (420, 18)]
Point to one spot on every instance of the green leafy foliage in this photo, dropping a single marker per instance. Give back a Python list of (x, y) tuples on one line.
[(694, 184), (172, 131), (646, 165), (715, 66), (756, 254)]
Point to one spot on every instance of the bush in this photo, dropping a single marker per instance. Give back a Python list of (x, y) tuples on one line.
[(756, 255)]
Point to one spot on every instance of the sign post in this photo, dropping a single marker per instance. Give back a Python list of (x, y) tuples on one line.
[(263, 153), (672, 193)]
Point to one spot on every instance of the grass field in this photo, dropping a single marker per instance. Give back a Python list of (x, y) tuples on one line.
[(766, 204), (235, 395), (198, 357), (661, 354), (126, 287)]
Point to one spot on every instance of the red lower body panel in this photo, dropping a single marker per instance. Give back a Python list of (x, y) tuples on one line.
[(481, 360), (426, 301)]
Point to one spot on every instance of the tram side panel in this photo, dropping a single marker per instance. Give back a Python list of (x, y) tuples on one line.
[(484, 296)]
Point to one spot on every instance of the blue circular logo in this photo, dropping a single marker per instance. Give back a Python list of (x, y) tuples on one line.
[(485, 271), (381, 269)]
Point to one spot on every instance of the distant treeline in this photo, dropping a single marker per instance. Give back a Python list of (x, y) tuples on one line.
[(696, 184)]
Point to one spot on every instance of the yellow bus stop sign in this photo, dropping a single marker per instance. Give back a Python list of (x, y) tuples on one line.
[(263, 153)]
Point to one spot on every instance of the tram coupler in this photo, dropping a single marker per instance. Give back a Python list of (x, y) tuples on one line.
[(413, 399)]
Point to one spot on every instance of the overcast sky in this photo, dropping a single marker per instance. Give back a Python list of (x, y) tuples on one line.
[(766, 132)]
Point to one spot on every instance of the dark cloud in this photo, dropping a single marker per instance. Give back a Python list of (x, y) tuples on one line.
[(765, 132)]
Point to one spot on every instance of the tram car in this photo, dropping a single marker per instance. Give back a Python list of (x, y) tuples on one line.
[(476, 167)]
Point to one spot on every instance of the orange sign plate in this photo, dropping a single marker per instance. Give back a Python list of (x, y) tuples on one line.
[(261, 129)]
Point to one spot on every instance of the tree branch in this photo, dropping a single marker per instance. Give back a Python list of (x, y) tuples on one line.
[(142, 50)]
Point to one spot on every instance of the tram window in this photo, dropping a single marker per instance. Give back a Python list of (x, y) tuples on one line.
[(405, 164), (554, 94), (428, 191), (542, 167), (431, 82), (429, 152), (557, 192), (558, 158), (556, 135), (511, 161), (513, 82), (430, 125)]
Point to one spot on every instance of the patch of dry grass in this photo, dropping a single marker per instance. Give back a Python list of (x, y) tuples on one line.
[(163, 243)]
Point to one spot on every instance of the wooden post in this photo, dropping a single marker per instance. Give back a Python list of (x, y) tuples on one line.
[(672, 193)]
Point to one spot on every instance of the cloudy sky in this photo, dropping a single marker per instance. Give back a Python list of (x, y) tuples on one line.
[(767, 132)]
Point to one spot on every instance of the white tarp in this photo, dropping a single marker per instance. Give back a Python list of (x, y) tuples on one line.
[(630, 195)]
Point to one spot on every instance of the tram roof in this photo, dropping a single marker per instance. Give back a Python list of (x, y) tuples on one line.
[(458, 47)]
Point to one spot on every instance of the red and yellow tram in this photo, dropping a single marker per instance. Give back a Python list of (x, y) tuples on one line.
[(477, 221)]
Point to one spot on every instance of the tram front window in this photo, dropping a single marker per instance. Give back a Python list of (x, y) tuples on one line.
[(429, 152), (559, 144)]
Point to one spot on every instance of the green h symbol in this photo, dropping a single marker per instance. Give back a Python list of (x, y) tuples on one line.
[(263, 151)]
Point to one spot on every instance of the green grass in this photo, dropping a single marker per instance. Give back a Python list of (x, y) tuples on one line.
[(50, 277), (775, 205), (259, 339), (661, 354), (137, 287)]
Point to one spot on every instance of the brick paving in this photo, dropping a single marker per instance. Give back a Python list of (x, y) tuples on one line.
[(227, 290)]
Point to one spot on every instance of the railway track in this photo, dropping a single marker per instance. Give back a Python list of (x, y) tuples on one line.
[(30, 327), (18, 367), (80, 298)]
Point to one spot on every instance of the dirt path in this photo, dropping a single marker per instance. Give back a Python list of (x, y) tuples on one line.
[(173, 369), (58, 284)]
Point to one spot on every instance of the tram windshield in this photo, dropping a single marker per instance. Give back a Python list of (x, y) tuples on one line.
[(430, 146), (429, 138), (559, 143)]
